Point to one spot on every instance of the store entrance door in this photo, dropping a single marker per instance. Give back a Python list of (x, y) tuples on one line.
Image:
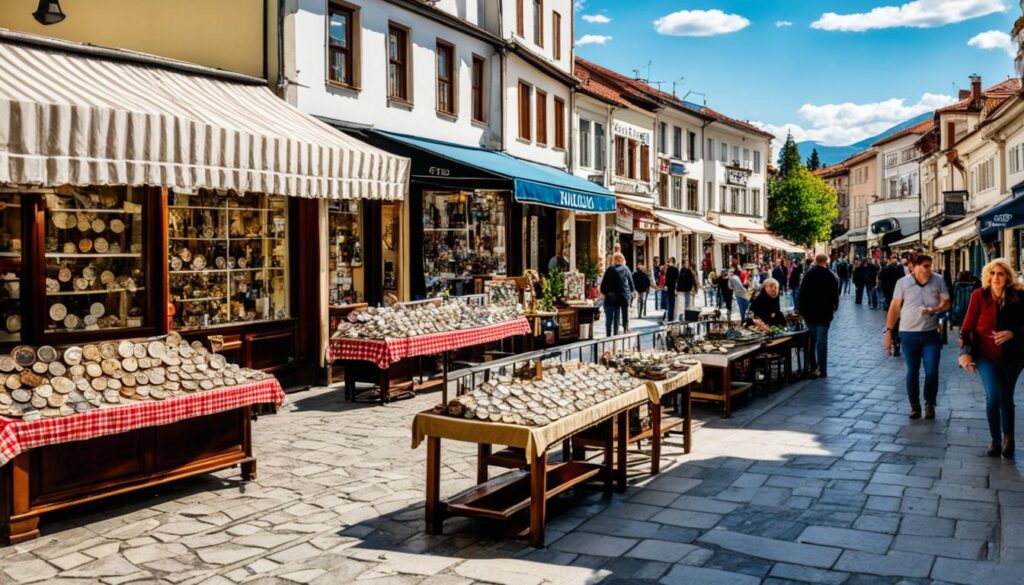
[(539, 242)]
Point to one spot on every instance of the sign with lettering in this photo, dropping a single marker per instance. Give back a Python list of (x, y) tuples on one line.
[(631, 132), (564, 198), (737, 177)]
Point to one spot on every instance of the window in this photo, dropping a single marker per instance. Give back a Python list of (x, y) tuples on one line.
[(892, 159), (463, 234), (559, 123), (677, 142), (709, 194), (692, 144), (692, 195), (519, 18), (710, 151), (724, 199), (908, 154), (556, 36), (542, 117), (631, 159), (479, 75), (538, 22), (1016, 158), (398, 63), (585, 140), (446, 78), (599, 147), (746, 158), (524, 111), (725, 153), (645, 162), (757, 161), (755, 199), (734, 200), (677, 192), (343, 44), (983, 176), (735, 154), (663, 138), (893, 188), (663, 193), (620, 156)]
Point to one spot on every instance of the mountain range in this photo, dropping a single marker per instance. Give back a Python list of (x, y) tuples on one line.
[(830, 155)]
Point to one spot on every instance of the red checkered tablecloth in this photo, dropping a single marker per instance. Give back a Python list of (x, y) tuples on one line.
[(18, 436), (384, 353)]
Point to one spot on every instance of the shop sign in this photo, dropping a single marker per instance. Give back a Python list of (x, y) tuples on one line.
[(645, 224), (624, 219), (737, 177), (631, 132), (562, 198), (677, 169), (639, 236), (955, 204)]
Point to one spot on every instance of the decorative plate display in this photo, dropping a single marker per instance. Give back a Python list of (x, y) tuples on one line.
[(199, 262), (175, 263), (83, 223), (64, 274), (98, 225), (24, 355), (107, 277), (90, 321), (71, 321), (58, 311), (89, 273), (85, 245), (73, 355), (91, 353), (60, 219), (52, 285), (185, 254), (220, 262), (46, 354), (13, 323), (97, 310), (69, 248), (101, 245), (81, 283), (208, 232), (242, 263), (116, 226)]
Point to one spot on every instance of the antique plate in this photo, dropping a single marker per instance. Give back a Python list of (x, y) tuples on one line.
[(98, 225), (83, 223), (108, 351), (208, 232), (60, 219), (62, 385), (40, 367), (52, 285), (69, 248), (13, 323), (64, 274), (93, 370), (81, 283), (89, 273), (56, 368), (97, 310), (85, 245), (130, 364), (91, 353), (173, 339), (185, 254), (101, 245), (73, 355), (175, 263), (71, 322), (126, 349), (199, 262), (220, 262), (23, 355), (116, 226), (107, 277), (242, 263), (90, 321), (139, 350), (156, 349)]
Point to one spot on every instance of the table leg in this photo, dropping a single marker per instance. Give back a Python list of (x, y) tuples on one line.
[(434, 515), (483, 451), (609, 457), (350, 383), (727, 390), (621, 437), (385, 385), (655, 437), (23, 525), (538, 498), (444, 377), (688, 425)]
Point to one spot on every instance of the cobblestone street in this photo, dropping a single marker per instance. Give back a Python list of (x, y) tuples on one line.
[(827, 481)]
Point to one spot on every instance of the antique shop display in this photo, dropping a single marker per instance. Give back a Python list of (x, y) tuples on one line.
[(95, 266), (575, 287), (345, 253), (740, 335), (463, 237), (501, 292), (10, 267), (683, 343), (49, 382), (400, 321), (565, 388), (650, 365), (228, 258)]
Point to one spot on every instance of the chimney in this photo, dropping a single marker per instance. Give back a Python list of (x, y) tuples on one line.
[(976, 90)]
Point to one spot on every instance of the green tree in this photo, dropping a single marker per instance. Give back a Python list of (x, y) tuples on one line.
[(803, 207), (813, 162), (789, 157)]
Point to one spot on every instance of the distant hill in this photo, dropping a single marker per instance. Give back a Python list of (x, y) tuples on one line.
[(830, 155)]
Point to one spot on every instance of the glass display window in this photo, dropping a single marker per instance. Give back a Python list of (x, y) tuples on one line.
[(345, 253), (10, 267), (227, 258), (95, 259), (463, 237)]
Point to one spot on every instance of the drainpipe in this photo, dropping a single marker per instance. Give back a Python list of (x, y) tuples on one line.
[(501, 57), (282, 83)]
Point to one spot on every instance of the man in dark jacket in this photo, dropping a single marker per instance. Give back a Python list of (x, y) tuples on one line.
[(668, 300), (871, 282), (888, 278), (858, 282), (796, 272), (843, 272), (818, 302), (642, 282), (617, 288), (686, 283), (656, 270), (779, 274)]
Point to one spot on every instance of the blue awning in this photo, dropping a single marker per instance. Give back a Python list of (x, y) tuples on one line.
[(532, 182), (1007, 214)]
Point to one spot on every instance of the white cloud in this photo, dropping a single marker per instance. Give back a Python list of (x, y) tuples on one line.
[(783, 23), (994, 39), (593, 40), (596, 18), (700, 23), (578, 5), (847, 123), (916, 14)]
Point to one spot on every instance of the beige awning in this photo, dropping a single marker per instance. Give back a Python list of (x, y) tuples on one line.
[(957, 232), (772, 241), (697, 225), (638, 202), (82, 115)]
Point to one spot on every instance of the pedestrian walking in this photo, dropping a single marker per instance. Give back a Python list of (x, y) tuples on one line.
[(871, 282), (658, 281), (818, 302), (888, 278), (843, 272), (858, 281), (779, 274), (962, 291), (793, 277), (642, 282), (617, 288), (668, 299), (686, 287), (739, 292), (990, 345), (916, 302), (724, 292)]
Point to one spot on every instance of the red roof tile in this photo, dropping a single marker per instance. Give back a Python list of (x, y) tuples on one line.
[(918, 129), (997, 92), (594, 87)]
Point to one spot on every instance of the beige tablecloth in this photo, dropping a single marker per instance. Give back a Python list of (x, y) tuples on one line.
[(535, 440), (658, 388)]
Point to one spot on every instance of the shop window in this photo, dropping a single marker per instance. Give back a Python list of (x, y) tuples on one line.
[(446, 89), (398, 63), (524, 111), (343, 44), (463, 237), (479, 79), (542, 117), (559, 123), (10, 266), (95, 262), (228, 258), (345, 253), (556, 35)]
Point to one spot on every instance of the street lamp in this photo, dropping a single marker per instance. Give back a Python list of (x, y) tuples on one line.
[(48, 12)]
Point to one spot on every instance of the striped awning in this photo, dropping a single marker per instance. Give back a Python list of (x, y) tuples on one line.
[(73, 114)]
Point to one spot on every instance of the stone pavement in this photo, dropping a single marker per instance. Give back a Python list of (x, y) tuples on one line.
[(824, 482)]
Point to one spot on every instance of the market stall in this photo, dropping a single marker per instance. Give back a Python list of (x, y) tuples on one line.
[(81, 423)]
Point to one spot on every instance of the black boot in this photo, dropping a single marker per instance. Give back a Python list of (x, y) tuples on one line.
[(1008, 447), (993, 448)]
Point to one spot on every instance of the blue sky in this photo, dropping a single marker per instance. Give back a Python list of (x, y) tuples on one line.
[(836, 71)]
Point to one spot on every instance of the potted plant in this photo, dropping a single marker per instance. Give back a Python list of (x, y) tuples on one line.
[(588, 266)]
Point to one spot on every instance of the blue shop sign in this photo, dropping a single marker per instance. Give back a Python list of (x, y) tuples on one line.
[(677, 169), (563, 198)]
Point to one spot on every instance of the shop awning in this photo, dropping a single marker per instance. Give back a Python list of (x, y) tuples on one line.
[(637, 202), (769, 240), (852, 236), (82, 115), (697, 225), (957, 232), (532, 182), (1008, 214), (907, 242)]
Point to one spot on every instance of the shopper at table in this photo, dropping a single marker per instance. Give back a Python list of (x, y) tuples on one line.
[(642, 282), (765, 310), (686, 287), (658, 282), (724, 292), (668, 295), (818, 302), (739, 292), (990, 345), (916, 302), (617, 288)]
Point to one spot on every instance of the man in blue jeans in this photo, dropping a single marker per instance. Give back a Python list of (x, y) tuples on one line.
[(918, 299), (818, 299)]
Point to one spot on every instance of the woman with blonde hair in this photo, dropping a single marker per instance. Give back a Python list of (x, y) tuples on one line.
[(991, 345), (617, 288)]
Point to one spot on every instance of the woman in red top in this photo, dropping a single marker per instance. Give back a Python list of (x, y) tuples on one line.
[(991, 345)]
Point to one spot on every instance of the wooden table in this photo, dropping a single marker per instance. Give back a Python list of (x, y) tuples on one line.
[(509, 496), (721, 365)]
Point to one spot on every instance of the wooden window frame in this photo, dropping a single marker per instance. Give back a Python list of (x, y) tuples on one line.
[(354, 52), (478, 89), (520, 29), (693, 195), (631, 148), (538, 23), (620, 156), (556, 36), (541, 117), (525, 111), (645, 162), (559, 123), (452, 80), (406, 62)]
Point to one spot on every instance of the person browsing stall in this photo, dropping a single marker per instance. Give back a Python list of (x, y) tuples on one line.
[(765, 309)]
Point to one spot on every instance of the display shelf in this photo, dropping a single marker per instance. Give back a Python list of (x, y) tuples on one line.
[(201, 299), (220, 270), (227, 239), (508, 494), (10, 254), (122, 255), (72, 293), (73, 211)]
